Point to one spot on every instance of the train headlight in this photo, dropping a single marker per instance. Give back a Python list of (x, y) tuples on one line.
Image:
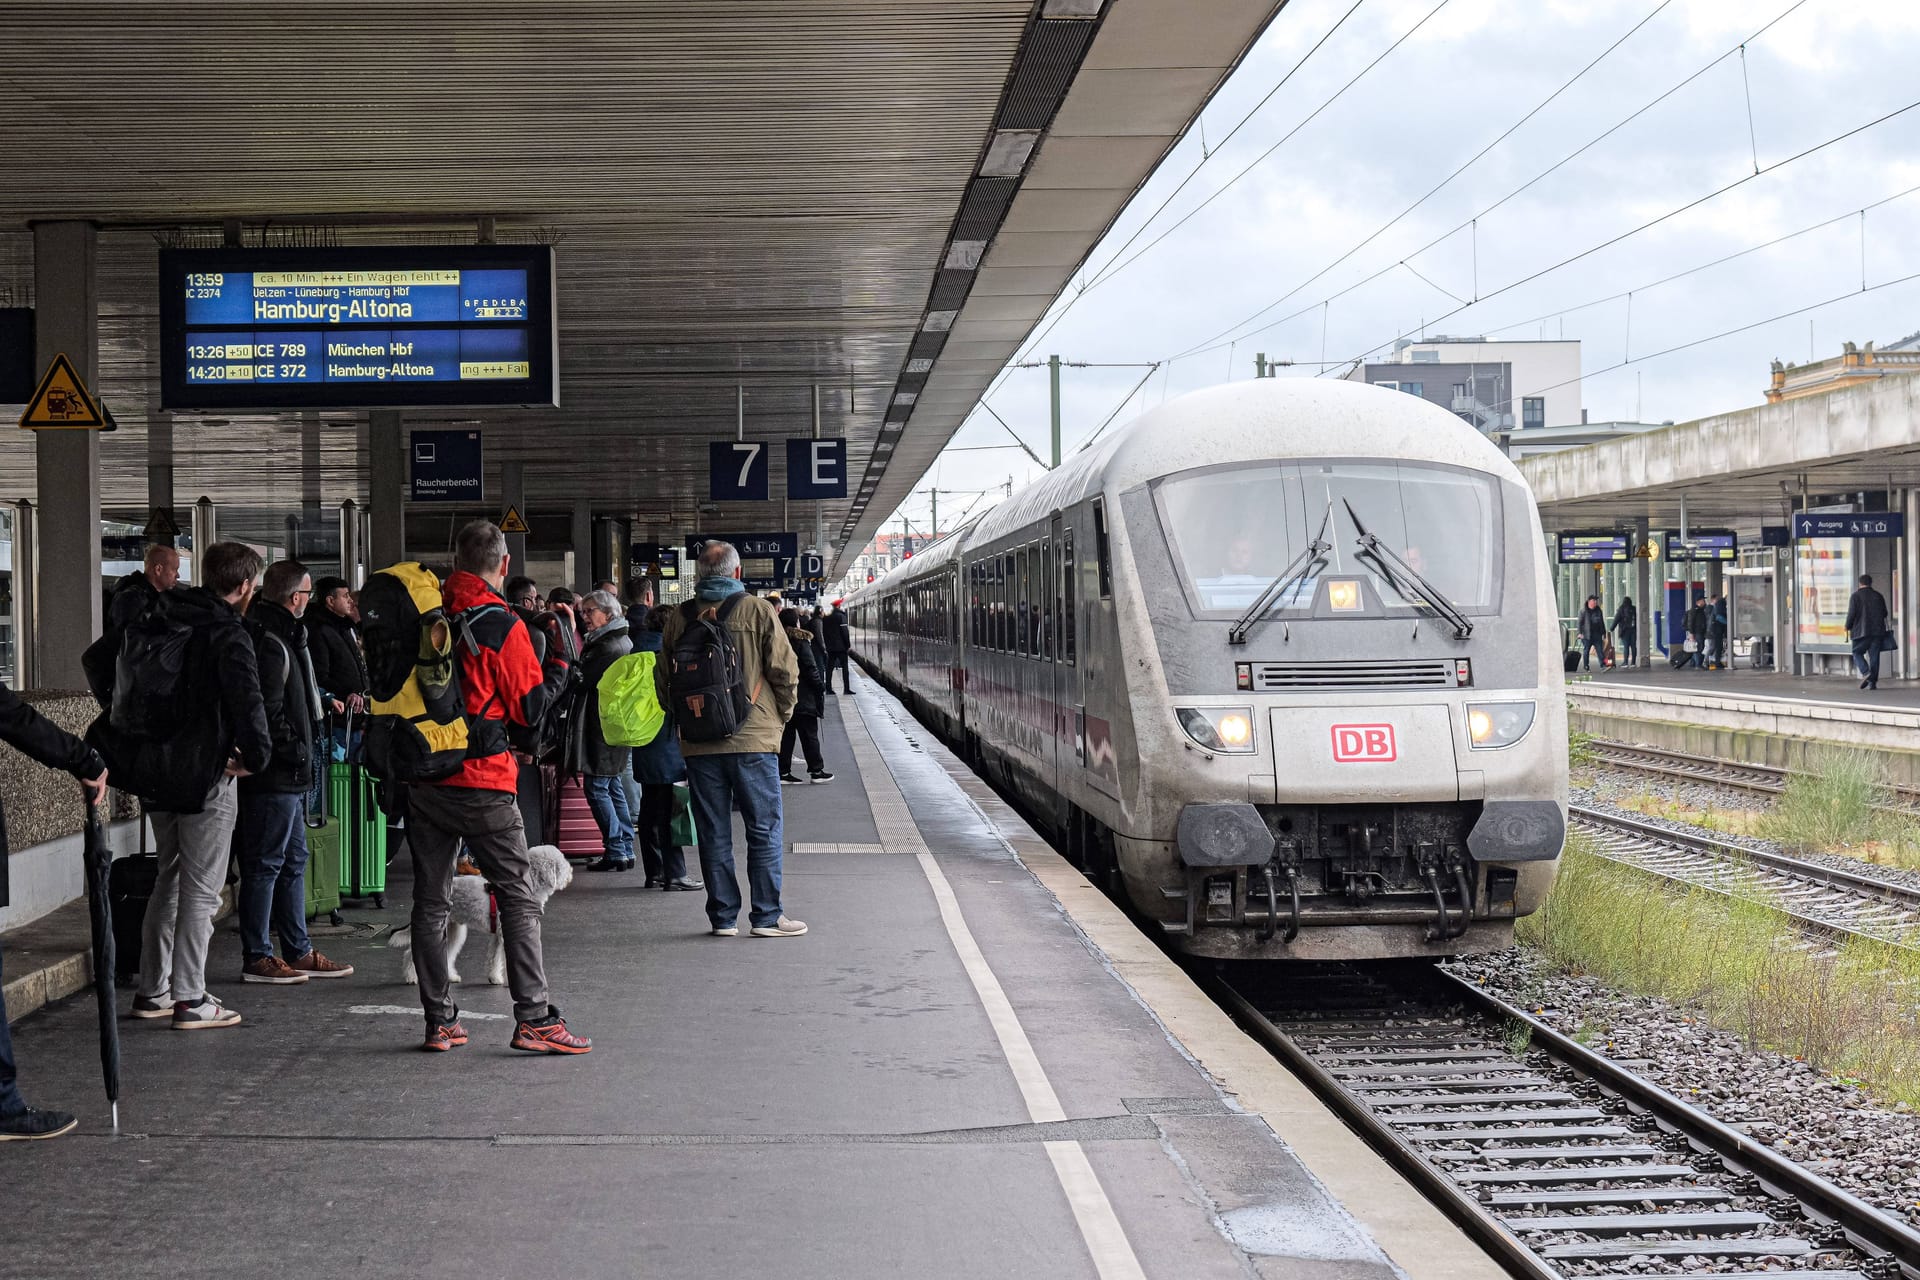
[(1491, 725), (1225, 729)]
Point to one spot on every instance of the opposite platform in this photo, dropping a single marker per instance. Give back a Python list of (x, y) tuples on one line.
[(953, 1074)]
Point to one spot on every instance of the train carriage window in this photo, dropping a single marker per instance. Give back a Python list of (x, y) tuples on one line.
[(1011, 641), (1100, 549), (1067, 571), (1046, 597), (1009, 584)]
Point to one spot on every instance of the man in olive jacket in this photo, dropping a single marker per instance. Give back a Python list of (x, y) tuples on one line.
[(743, 769)]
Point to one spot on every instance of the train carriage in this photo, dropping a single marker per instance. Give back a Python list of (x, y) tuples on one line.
[(1278, 661)]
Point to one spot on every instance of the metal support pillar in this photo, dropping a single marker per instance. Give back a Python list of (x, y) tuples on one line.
[(386, 489), (206, 531), (1643, 596), (160, 465), (67, 463), (1907, 572), (350, 543), (513, 493), (24, 597), (583, 547), (1053, 392)]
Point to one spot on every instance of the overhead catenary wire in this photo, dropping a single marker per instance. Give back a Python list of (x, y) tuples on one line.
[(1151, 369), (1706, 266), (1649, 223), (1231, 332)]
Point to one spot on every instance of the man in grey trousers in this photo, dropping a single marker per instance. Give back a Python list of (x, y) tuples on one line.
[(194, 847)]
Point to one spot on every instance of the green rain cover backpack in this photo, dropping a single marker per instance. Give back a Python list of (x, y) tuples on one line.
[(630, 711)]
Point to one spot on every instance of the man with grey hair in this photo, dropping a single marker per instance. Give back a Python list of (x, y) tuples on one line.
[(504, 683), (741, 770)]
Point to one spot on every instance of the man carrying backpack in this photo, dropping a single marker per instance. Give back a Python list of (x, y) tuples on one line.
[(603, 764), (179, 736), (729, 687), (502, 684)]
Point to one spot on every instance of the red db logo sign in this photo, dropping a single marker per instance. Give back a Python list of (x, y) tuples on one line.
[(1363, 744)]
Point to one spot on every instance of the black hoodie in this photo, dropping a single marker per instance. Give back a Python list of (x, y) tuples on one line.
[(288, 695)]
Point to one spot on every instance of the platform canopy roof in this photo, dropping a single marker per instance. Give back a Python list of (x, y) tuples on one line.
[(1741, 469), (873, 197)]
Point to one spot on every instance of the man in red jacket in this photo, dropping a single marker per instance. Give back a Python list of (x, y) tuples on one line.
[(503, 683)]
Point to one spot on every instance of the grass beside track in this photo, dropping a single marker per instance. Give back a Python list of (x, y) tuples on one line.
[(1842, 807), (1742, 965)]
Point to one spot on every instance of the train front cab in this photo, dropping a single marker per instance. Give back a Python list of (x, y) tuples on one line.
[(1357, 779)]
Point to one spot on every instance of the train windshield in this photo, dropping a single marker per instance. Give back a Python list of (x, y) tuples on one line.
[(1234, 531)]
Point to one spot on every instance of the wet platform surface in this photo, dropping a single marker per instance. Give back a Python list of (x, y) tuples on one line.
[(1892, 695), (944, 1078)]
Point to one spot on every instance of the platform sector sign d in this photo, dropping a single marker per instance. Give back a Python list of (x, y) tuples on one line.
[(1849, 524), (445, 466), (816, 468), (357, 328), (737, 471)]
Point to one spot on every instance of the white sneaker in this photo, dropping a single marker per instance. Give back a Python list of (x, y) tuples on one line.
[(781, 928), (208, 1013), (725, 933)]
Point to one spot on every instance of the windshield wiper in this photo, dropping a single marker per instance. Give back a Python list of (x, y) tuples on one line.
[(1432, 596), (1296, 571)]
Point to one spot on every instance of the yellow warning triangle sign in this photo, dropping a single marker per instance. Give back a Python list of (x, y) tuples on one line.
[(62, 401), (512, 523)]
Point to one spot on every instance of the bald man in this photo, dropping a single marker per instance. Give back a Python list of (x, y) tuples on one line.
[(158, 574)]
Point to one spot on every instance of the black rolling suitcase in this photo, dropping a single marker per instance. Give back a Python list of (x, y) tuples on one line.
[(130, 883)]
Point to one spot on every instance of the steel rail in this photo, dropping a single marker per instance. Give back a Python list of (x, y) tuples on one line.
[(1869, 1228)]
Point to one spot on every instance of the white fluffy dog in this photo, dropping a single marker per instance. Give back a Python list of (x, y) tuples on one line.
[(548, 871)]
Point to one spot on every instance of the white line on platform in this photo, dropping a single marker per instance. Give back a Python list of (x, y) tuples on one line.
[(1106, 1239), (415, 1012)]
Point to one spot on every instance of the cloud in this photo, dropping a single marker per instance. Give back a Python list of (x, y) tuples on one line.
[(1474, 70)]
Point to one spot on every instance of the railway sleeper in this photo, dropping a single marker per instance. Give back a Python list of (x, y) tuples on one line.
[(1544, 1177), (1634, 1224), (1614, 1250)]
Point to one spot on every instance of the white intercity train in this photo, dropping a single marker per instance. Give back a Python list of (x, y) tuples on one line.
[(1279, 662)]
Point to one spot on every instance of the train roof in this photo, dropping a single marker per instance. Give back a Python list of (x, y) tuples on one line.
[(1254, 421)]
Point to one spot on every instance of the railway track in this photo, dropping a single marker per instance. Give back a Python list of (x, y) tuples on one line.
[(1821, 899), (1764, 779), (1557, 1160)]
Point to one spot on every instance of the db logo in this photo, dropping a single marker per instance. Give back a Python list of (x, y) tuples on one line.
[(1363, 743)]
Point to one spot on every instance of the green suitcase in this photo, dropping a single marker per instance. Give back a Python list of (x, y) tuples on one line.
[(363, 854), (323, 869)]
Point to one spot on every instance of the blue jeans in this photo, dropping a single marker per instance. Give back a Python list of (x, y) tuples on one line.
[(10, 1101), (607, 797), (1866, 659), (751, 779), (273, 873)]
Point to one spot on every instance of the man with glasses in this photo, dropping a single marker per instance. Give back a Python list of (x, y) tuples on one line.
[(273, 802)]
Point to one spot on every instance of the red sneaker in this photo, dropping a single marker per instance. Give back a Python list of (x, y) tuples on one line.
[(548, 1035), (440, 1039)]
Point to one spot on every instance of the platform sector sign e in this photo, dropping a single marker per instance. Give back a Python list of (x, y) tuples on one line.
[(816, 469), (367, 328)]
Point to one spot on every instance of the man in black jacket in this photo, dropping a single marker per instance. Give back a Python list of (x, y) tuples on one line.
[(27, 730), (188, 784), (1867, 628), (131, 597), (839, 647), (339, 668), (273, 802)]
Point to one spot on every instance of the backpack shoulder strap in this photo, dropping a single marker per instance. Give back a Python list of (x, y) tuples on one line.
[(728, 605)]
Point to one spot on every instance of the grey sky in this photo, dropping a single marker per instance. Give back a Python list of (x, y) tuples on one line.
[(1468, 74)]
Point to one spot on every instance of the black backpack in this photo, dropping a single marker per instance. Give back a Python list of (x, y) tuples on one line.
[(152, 676), (706, 681)]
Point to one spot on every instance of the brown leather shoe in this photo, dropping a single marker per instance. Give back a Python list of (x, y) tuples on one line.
[(315, 965), (272, 970)]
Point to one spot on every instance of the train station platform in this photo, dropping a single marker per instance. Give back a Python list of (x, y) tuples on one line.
[(973, 1065), (1762, 717)]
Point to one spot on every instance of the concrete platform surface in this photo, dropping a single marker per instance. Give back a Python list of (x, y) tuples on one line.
[(1901, 695), (946, 1077)]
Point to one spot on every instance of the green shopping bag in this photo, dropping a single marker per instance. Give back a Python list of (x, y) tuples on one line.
[(683, 833)]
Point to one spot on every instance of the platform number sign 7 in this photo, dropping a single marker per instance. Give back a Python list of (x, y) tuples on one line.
[(737, 471)]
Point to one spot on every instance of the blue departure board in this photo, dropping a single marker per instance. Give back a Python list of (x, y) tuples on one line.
[(357, 328), (1703, 544), (1596, 546)]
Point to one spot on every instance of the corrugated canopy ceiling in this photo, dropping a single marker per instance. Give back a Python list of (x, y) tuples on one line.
[(878, 197)]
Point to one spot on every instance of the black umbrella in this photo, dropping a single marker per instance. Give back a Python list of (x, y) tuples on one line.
[(99, 859)]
